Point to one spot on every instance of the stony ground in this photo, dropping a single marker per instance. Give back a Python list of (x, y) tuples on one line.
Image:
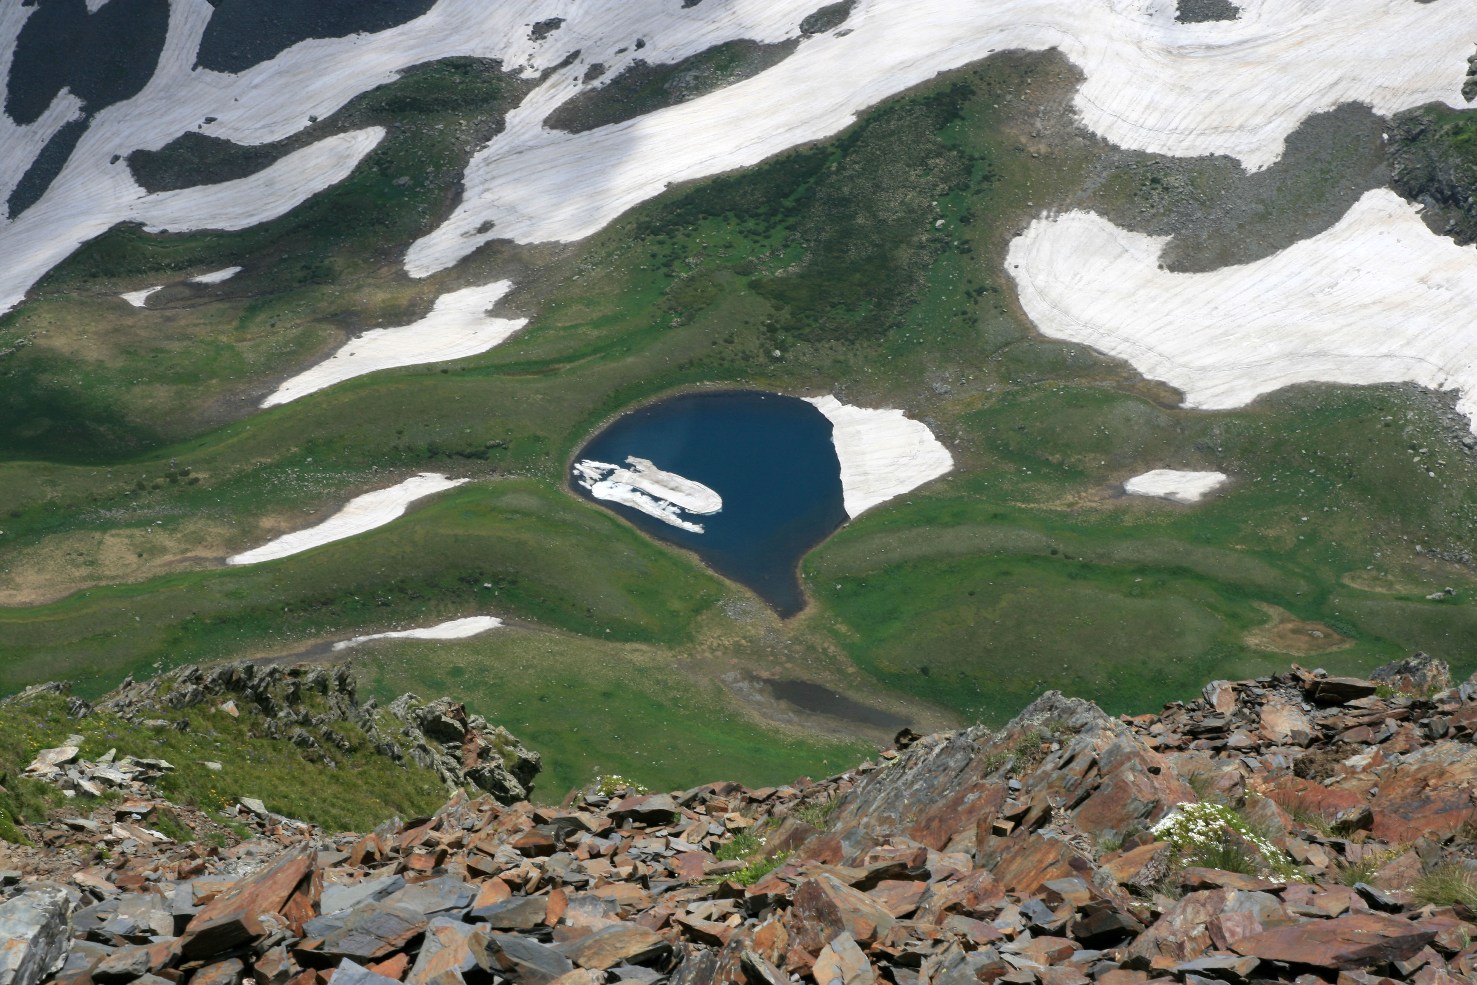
[(1298, 828)]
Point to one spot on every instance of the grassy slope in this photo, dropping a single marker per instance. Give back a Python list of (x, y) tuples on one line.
[(589, 706), (356, 791), (834, 257)]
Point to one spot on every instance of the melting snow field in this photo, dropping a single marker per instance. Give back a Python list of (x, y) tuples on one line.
[(664, 495), (1223, 87), (1175, 485), (216, 276), (140, 299), (1378, 298), (883, 454), (456, 629), (362, 513), (457, 326)]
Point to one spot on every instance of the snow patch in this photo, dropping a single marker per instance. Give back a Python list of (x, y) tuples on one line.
[(139, 299), (457, 326), (360, 514), (883, 454), (456, 629), (216, 276), (1173, 484), (1223, 87), (1378, 298), (666, 496)]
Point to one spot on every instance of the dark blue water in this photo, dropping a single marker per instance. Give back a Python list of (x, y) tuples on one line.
[(769, 457)]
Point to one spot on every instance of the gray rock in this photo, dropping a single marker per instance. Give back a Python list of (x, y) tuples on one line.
[(35, 935), (350, 973)]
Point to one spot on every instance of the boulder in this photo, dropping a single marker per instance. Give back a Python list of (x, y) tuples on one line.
[(35, 935)]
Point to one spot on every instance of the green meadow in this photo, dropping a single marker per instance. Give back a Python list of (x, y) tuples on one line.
[(869, 265)]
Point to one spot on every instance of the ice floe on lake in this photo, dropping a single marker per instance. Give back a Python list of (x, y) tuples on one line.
[(883, 454), (1378, 298), (456, 629), (664, 495), (1175, 485), (360, 514), (457, 326)]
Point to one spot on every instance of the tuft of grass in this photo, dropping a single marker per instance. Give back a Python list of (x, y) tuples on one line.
[(759, 868), (1447, 885), (744, 844), (817, 814)]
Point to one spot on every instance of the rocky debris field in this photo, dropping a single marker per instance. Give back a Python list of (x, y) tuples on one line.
[(1299, 828)]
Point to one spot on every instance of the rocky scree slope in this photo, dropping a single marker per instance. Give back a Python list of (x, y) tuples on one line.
[(1297, 828)]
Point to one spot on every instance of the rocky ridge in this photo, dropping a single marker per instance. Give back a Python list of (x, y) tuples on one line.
[(1298, 828), (303, 703)]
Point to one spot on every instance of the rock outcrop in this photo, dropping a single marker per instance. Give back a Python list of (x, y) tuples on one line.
[(303, 703), (1297, 828)]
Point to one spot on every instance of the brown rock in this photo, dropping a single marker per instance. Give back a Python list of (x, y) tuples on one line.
[(236, 916), (1338, 690), (1141, 867), (841, 962), (1353, 941), (610, 946), (824, 907)]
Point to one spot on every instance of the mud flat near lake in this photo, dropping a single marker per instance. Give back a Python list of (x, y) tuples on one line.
[(360, 514)]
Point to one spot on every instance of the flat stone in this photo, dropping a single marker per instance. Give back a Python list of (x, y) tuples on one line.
[(49, 759), (1357, 940), (518, 959), (610, 946), (374, 931), (351, 973), (235, 917), (227, 972), (518, 913)]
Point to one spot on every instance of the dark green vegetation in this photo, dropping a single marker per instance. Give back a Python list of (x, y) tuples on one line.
[(871, 265), (643, 87), (1434, 153), (354, 792)]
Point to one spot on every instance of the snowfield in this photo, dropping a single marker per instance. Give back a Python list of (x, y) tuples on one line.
[(1378, 298), (457, 326), (456, 629), (216, 276), (1175, 485), (360, 514), (883, 454), (1235, 87)]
